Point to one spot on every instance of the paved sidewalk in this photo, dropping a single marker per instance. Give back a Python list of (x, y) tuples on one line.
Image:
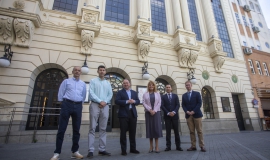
[(238, 146)]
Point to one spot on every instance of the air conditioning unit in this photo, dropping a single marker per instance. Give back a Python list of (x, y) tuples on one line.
[(255, 29), (248, 51), (247, 8)]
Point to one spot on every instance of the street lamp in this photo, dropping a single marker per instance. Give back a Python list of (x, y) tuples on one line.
[(190, 76), (85, 68), (145, 74), (6, 59)]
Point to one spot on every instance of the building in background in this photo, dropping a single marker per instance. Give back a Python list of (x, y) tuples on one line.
[(254, 38), (172, 40)]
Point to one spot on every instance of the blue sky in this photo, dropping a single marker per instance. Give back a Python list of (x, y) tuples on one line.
[(265, 5)]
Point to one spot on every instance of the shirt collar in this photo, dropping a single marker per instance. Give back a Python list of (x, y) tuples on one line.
[(101, 79), (75, 79)]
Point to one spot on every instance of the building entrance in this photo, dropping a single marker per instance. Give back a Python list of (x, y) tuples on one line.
[(238, 112)]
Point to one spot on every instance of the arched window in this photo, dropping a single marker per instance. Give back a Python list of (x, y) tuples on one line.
[(161, 85), (251, 5), (158, 15), (116, 81), (66, 5), (207, 104), (117, 11), (44, 112), (194, 19), (222, 28)]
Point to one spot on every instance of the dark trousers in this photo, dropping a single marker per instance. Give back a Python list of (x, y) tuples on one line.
[(172, 124), (75, 111), (128, 124)]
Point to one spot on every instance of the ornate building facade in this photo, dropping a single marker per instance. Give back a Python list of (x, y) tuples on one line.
[(170, 38)]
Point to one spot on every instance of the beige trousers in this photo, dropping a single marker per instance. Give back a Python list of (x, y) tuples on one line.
[(195, 123)]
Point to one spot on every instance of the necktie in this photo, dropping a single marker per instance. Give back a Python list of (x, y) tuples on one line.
[(170, 97), (189, 95)]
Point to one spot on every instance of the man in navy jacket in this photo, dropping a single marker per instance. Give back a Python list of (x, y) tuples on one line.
[(170, 106), (127, 99), (191, 103)]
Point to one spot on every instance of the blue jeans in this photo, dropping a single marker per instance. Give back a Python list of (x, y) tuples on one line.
[(75, 111)]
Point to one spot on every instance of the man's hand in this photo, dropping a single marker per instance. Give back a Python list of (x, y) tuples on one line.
[(189, 113), (171, 114), (192, 112), (131, 101), (102, 104)]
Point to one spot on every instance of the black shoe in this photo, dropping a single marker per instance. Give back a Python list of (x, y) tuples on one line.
[(90, 155), (104, 153), (124, 153), (134, 151), (167, 149), (179, 149)]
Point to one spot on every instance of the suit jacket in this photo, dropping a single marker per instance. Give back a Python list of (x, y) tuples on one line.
[(121, 99), (168, 106), (194, 104), (147, 103)]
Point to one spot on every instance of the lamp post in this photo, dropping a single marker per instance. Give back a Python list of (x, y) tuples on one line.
[(85, 68), (145, 74), (6, 59), (190, 76)]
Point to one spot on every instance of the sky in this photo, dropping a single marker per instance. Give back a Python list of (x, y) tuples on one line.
[(265, 6)]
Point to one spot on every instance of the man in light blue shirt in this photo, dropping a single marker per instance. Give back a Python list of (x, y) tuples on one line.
[(72, 94), (100, 94)]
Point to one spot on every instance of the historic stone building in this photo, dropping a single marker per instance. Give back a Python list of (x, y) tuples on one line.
[(169, 38)]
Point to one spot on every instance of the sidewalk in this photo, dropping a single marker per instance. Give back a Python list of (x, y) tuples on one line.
[(238, 146)]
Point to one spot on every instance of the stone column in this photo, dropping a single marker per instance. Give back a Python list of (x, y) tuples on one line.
[(177, 14), (143, 9), (185, 13), (210, 19)]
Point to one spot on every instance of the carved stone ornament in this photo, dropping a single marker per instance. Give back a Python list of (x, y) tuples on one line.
[(192, 59), (218, 63), (23, 32), (219, 46), (183, 56), (19, 4), (145, 30), (143, 50), (87, 39), (187, 39), (89, 18), (6, 30)]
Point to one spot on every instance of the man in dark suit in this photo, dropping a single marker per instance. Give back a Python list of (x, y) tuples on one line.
[(127, 99), (191, 103), (170, 106)]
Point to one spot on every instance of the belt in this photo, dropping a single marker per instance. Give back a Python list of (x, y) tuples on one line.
[(70, 101)]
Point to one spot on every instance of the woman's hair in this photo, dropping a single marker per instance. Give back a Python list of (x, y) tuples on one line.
[(154, 84)]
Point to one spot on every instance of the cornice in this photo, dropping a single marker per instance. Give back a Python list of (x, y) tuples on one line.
[(35, 18), (4, 101)]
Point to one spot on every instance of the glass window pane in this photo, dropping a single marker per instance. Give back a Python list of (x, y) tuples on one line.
[(158, 15), (66, 5)]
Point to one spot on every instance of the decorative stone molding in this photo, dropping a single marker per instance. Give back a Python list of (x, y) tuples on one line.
[(4, 101), (6, 30), (89, 20), (23, 32), (143, 50), (183, 57), (19, 4), (218, 63), (87, 39), (143, 30), (192, 58), (216, 53)]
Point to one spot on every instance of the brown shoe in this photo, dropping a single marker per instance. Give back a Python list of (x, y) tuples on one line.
[(192, 149), (203, 149)]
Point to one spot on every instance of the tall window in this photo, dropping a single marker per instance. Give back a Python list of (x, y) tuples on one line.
[(194, 19), (251, 22), (207, 104), (237, 18), (265, 69), (158, 15), (251, 5), (66, 5), (239, 2), (117, 11), (258, 47), (251, 66), (244, 43), (245, 21), (258, 8), (259, 67), (222, 28)]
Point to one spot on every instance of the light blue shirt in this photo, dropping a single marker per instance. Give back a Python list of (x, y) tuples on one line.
[(100, 90), (129, 96), (72, 89)]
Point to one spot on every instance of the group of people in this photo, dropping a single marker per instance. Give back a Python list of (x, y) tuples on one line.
[(72, 93)]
